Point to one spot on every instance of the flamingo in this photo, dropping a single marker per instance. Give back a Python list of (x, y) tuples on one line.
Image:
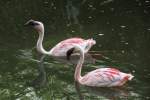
[(62, 47), (102, 77)]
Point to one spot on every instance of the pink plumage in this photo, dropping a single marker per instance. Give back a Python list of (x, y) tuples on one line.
[(61, 48), (105, 77)]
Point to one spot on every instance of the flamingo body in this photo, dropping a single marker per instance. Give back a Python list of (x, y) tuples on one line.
[(105, 77), (61, 48)]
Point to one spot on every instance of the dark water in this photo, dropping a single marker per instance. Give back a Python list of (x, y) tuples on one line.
[(120, 27)]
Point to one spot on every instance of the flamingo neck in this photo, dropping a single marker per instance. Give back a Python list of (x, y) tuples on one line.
[(78, 69), (39, 43)]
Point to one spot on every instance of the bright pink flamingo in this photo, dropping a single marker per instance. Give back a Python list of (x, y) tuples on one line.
[(62, 47), (102, 77)]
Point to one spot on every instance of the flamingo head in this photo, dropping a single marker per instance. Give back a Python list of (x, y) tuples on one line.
[(38, 26)]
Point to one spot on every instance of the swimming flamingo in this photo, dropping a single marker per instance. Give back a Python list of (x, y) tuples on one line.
[(102, 77), (62, 47)]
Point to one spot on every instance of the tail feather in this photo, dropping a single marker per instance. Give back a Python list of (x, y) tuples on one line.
[(93, 42), (130, 76)]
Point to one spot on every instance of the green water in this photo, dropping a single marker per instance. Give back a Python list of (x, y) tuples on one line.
[(120, 27)]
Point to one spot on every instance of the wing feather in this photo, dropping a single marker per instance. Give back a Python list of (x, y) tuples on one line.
[(104, 77)]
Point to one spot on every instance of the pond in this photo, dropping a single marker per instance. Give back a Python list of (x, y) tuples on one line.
[(121, 29)]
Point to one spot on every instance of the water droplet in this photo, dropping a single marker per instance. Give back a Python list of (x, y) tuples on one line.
[(102, 11), (122, 26), (99, 45), (100, 34), (72, 31), (54, 8), (148, 29), (112, 29), (90, 17), (147, 1), (122, 51), (52, 4), (68, 25), (106, 1), (140, 4), (20, 85), (90, 6)]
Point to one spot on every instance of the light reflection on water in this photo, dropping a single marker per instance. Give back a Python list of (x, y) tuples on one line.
[(116, 93)]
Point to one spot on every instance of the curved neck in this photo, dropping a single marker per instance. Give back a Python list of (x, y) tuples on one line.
[(77, 74), (39, 43)]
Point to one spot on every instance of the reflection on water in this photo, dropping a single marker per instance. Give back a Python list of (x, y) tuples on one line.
[(60, 79), (72, 12), (115, 93), (41, 80), (121, 29)]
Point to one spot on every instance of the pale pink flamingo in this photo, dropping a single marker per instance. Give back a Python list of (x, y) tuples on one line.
[(62, 47), (102, 77)]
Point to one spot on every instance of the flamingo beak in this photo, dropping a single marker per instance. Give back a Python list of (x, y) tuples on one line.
[(30, 22)]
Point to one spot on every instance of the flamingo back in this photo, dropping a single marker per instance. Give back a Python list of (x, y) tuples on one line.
[(61, 48), (105, 77)]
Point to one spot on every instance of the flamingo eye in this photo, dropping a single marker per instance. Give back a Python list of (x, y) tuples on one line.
[(34, 24)]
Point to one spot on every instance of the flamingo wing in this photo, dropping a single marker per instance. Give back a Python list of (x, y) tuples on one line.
[(105, 77), (61, 48), (73, 40)]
